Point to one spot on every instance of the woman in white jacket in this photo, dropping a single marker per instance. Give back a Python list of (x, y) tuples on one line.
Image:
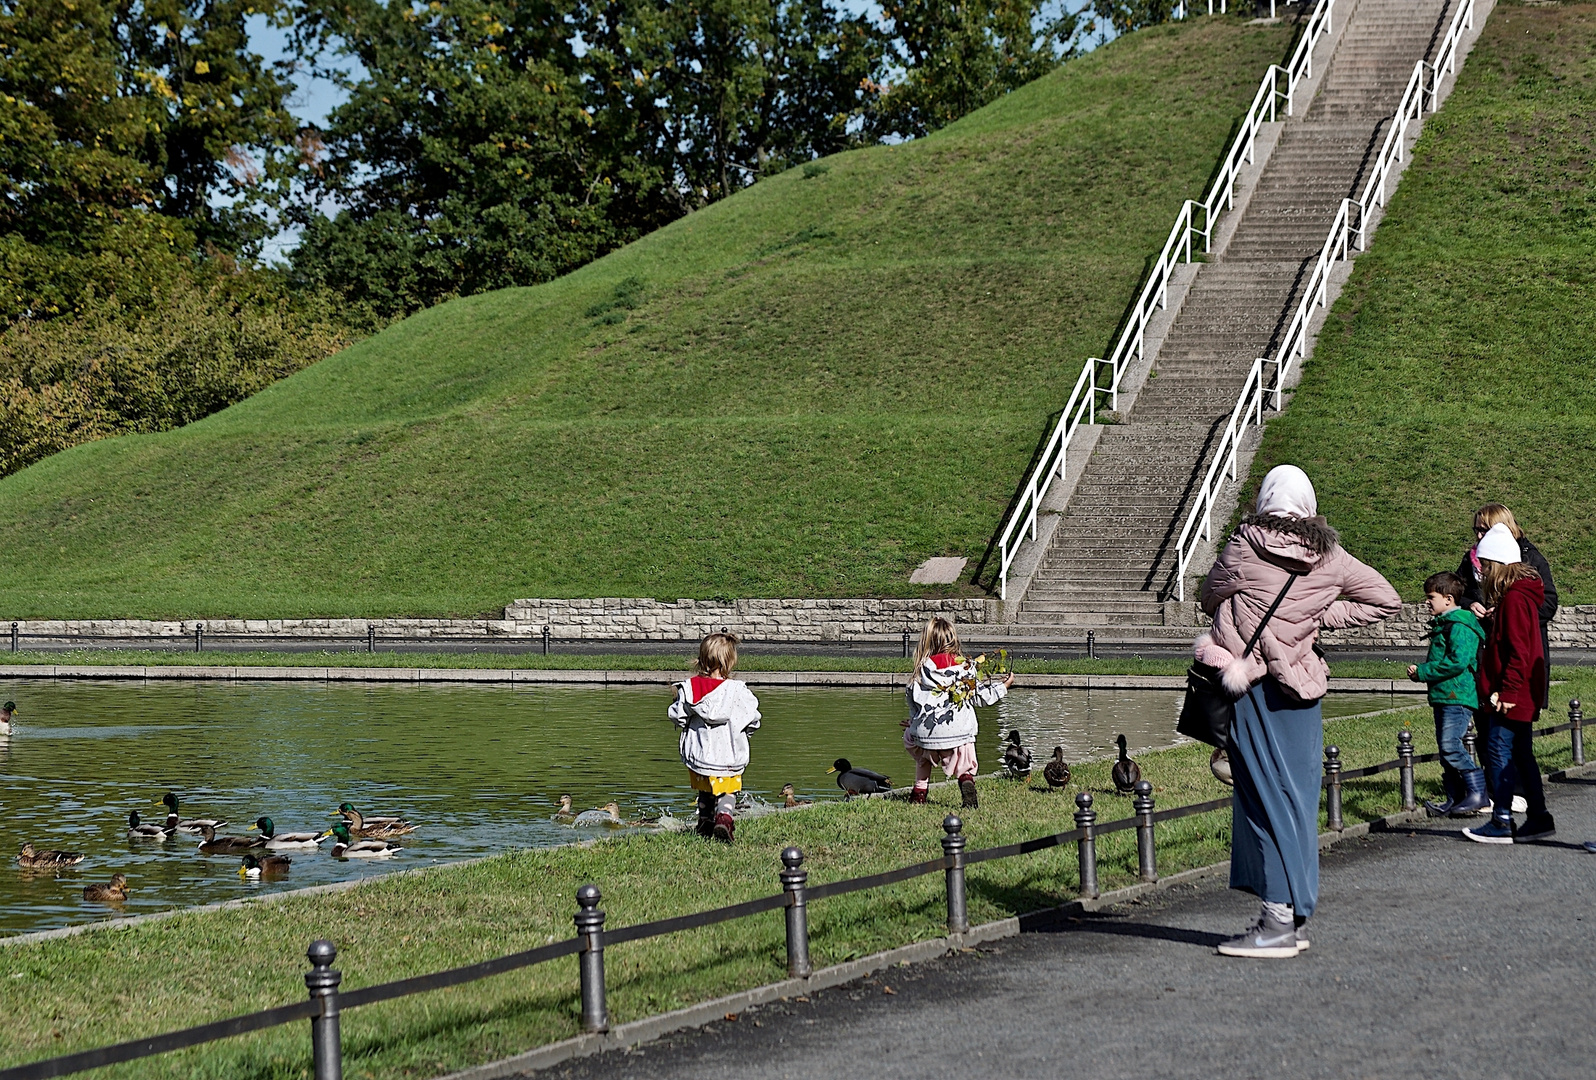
[(715, 713), (943, 694)]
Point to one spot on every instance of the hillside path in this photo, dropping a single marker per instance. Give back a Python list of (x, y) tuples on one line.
[(1432, 957)]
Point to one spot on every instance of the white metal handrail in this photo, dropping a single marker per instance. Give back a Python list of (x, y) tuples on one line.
[(1278, 82), (1337, 247)]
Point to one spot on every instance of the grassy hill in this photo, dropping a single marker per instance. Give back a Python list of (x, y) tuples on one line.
[(1463, 347), (803, 390)]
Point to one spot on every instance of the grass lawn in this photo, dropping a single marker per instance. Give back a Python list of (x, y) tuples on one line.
[(1461, 351), (804, 390), (100, 987), (680, 661)]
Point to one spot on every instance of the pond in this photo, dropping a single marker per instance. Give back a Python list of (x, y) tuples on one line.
[(478, 768)]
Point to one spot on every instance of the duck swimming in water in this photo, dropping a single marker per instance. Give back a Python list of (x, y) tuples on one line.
[(855, 781), (608, 814), (5, 717), (185, 825), (374, 828), (226, 845), (1016, 758), (1125, 772), (34, 859), (140, 831), (1055, 772), (346, 847), (276, 840), (565, 815), (264, 866), (113, 893)]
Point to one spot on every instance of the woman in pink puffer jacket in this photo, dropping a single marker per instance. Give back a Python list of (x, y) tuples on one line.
[(1277, 739)]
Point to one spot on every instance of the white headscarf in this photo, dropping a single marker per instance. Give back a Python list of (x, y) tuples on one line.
[(1287, 492)]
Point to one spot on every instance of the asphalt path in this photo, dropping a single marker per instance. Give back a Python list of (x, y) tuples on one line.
[(1432, 956)]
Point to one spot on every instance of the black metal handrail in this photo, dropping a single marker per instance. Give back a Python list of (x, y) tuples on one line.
[(324, 1005)]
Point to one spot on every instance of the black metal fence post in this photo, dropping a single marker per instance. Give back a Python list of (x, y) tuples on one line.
[(590, 928), (199, 636), (1471, 736), (793, 879), (545, 641), (14, 640), (1332, 790), (1405, 768), (906, 644), (1146, 855), (953, 851), (371, 637), (326, 1045), (1091, 644), (1086, 820), (1576, 731)]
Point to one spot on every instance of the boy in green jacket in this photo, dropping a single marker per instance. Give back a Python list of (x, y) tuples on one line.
[(1455, 638)]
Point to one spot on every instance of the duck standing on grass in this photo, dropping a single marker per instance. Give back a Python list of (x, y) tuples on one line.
[(276, 840), (194, 826), (855, 781), (113, 893), (1016, 758), (346, 847), (33, 859), (1055, 772), (264, 866), (1125, 772), (137, 830), (6, 711), (226, 845)]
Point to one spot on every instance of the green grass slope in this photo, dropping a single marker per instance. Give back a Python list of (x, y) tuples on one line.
[(1462, 349), (803, 390)]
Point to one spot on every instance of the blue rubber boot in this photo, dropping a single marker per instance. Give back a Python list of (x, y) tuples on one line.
[(1474, 800)]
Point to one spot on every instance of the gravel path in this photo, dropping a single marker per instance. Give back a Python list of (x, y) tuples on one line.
[(1432, 957)]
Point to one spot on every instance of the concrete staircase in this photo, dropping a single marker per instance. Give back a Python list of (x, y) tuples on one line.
[(1110, 563)]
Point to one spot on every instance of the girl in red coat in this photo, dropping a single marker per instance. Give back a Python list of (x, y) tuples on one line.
[(1512, 684)]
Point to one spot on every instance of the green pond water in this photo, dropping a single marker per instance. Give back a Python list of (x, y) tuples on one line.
[(479, 768)]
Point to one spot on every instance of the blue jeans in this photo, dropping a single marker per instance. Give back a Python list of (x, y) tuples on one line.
[(1512, 755), (1451, 721)]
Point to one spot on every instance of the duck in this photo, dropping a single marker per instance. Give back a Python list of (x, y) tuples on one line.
[(185, 825), (1055, 772), (226, 845), (608, 814), (1125, 772), (138, 831), (346, 847), (265, 865), (34, 859), (565, 815), (276, 840), (854, 781), (1016, 758), (5, 717), (113, 893), (374, 828), (790, 799)]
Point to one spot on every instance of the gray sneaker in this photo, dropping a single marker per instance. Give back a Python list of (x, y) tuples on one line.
[(1263, 940), (1302, 938)]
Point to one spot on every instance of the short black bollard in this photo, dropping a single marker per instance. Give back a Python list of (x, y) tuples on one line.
[(906, 644), (1471, 736), (1145, 852), (199, 636), (793, 879), (326, 1045), (1086, 819), (545, 641), (371, 638), (590, 928), (1332, 790), (953, 852), (1091, 644), (14, 639), (1576, 731), (1405, 768)]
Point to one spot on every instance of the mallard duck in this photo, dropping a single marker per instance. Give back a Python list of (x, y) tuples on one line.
[(113, 893), (565, 815), (790, 799), (276, 840), (346, 847), (1055, 772), (1016, 758), (854, 781), (226, 845), (1125, 772), (137, 831), (608, 814), (265, 865), (374, 828), (47, 860), (185, 825), (5, 717)]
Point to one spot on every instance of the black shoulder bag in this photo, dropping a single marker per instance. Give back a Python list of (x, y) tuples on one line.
[(1209, 710)]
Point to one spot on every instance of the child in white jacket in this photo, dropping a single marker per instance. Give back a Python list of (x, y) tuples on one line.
[(715, 713), (941, 727)]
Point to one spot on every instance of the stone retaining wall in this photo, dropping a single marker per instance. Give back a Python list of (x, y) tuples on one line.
[(1572, 628)]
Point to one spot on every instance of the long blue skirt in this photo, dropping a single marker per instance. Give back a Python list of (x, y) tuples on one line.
[(1277, 744)]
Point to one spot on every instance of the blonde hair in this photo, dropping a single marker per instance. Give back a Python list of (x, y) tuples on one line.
[(1497, 514), (717, 655), (937, 637), (1495, 577)]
